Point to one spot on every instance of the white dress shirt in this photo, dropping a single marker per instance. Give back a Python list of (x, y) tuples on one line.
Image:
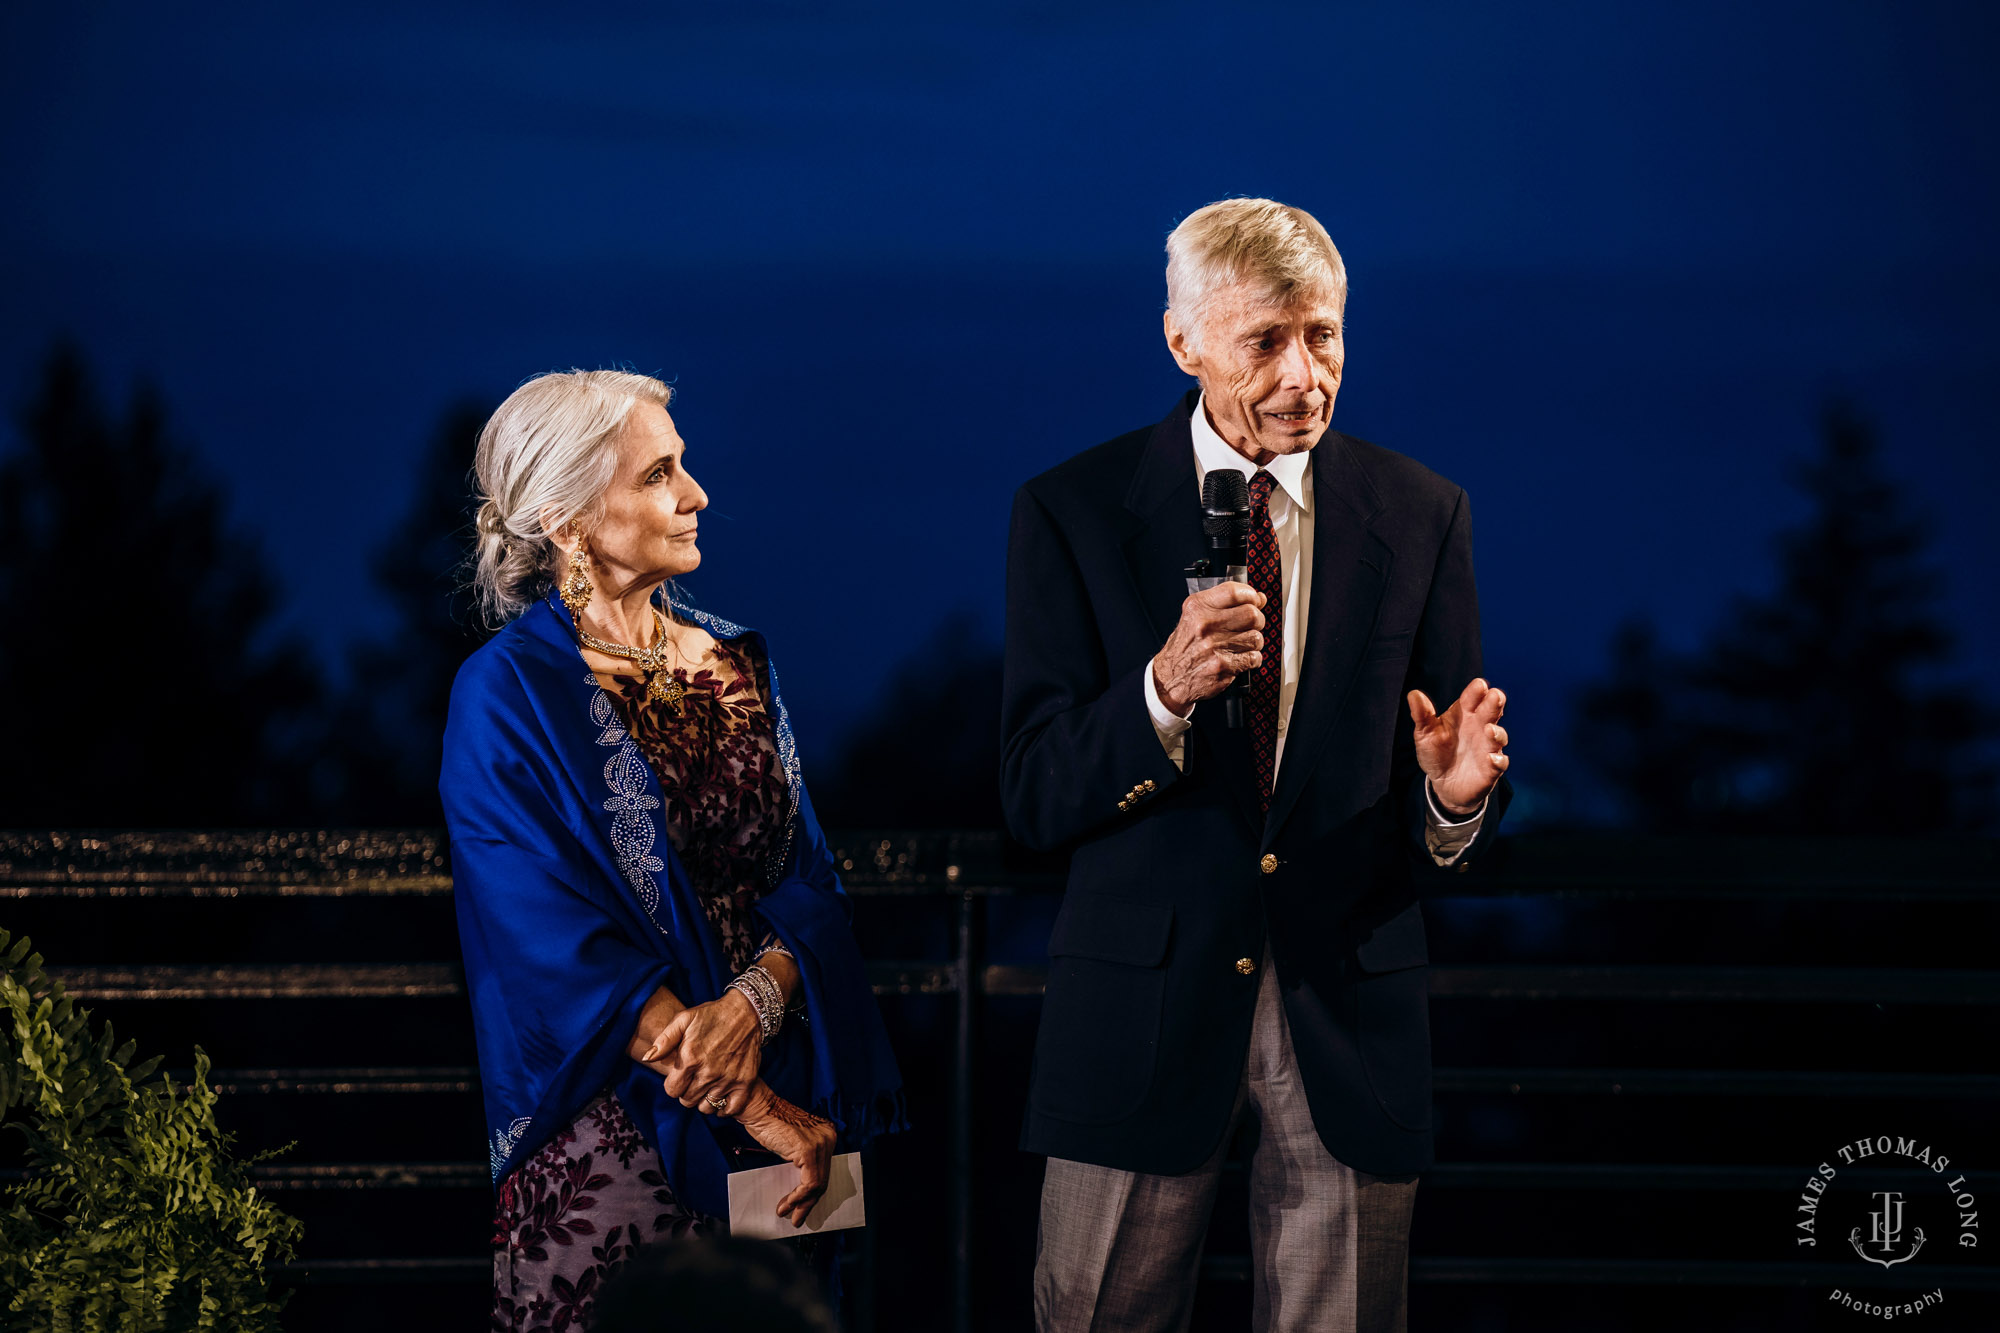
[(1291, 509)]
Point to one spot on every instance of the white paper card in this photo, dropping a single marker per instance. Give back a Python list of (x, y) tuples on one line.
[(754, 1195)]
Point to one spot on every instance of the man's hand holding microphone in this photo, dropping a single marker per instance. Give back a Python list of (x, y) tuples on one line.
[(1220, 636)]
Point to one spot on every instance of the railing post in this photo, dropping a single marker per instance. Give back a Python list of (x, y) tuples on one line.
[(969, 965), (863, 1304)]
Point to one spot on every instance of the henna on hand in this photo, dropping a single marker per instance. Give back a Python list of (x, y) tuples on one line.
[(787, 1113), (801, 1138)]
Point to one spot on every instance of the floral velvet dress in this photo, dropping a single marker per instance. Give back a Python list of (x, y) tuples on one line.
[(578, 1208)]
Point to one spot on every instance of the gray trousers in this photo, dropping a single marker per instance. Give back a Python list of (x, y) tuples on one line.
[(1120, 1251)]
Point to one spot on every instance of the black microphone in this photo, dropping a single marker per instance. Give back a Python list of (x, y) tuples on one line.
[(1225, 521)]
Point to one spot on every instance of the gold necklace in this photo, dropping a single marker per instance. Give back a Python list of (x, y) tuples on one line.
[(661, 687)]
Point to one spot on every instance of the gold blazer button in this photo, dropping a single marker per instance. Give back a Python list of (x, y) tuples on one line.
[(1246, 966), (1269, 863)]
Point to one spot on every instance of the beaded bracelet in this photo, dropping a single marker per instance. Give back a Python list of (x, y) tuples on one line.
[(766, 996), (797, 1004), (774, 994)]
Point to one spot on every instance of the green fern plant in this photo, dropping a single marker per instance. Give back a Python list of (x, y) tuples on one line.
[(134, 1215)]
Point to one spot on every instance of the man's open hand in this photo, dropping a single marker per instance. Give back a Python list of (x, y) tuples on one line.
[(1461, 750), (1220, 636)]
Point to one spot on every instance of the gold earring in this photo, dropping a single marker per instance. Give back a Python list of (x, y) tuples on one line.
[(577, 587)]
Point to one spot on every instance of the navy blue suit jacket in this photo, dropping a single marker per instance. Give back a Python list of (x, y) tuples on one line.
[(1146, 1020)]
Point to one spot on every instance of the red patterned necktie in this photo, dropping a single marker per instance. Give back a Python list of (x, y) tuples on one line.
[(1266, 577)]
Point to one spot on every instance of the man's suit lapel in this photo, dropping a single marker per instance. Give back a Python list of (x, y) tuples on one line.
[(1164, 505), (1350, 571)]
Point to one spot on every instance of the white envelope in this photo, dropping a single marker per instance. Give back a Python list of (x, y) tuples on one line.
[(754, 1195)]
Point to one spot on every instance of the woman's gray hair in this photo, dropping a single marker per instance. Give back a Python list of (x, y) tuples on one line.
[(545, 459), (1260, 240)]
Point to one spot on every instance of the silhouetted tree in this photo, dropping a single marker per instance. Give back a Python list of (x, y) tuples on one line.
[(1816, 709), (1634, 730), (928, 755), (142, 682), (390, 738)]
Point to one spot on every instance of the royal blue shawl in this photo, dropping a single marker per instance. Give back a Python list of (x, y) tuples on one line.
[(573, 909)]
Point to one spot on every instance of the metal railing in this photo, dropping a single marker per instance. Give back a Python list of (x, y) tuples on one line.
[(967, 870)]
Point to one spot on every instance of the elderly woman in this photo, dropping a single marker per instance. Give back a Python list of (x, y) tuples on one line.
[(664, 984)]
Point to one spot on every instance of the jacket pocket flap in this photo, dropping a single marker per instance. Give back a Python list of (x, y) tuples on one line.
[(1133, 931), (1397, 943)]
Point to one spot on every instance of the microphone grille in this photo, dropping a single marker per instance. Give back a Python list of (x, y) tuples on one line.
[(1225, 503), (1224, 490)]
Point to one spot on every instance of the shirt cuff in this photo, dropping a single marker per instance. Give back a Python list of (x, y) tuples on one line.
[(1167, 725), (1443, 820), (1445, 837)]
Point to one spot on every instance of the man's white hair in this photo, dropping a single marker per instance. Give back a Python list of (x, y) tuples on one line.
[(1255, 240), (546, 452)]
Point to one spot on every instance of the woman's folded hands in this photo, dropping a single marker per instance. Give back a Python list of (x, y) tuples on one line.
[(708, 1055)]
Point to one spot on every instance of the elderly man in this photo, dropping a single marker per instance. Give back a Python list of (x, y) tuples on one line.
[(1241, 935)]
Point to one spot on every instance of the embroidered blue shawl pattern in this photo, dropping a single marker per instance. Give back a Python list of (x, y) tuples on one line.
[(573, 909)]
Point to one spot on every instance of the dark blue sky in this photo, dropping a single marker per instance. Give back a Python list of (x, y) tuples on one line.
[(1606, 264)]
